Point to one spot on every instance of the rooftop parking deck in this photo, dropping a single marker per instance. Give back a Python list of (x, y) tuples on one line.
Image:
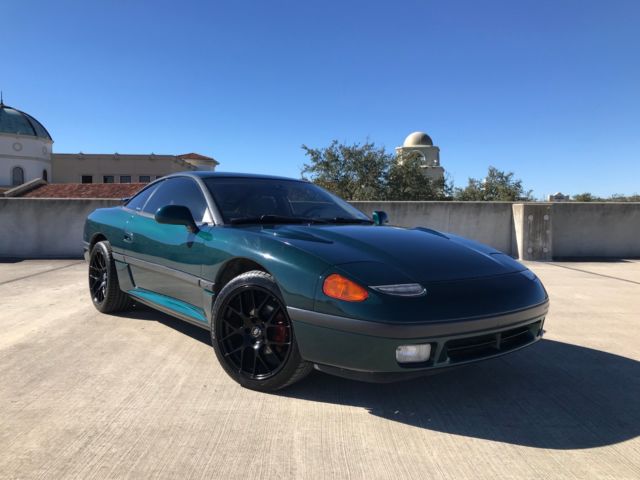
[(141, 395)]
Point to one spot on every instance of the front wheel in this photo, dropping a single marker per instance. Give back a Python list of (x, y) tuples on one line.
[(252, 334)]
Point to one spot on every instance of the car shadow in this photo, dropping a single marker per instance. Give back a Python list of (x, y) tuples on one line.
[(142, 312), (551, 395), (10, 260)]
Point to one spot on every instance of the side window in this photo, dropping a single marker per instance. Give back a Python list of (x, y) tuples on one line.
[(137, 202), (179, 191)]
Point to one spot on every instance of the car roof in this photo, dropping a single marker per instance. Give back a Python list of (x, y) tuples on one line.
[(204, 174)]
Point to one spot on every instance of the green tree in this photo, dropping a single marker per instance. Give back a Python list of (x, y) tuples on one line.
[(366, 172), (406, 181), (618, 197), (585, 197), (354, 172), (496, 186)]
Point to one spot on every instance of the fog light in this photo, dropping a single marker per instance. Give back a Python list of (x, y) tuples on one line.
[(413, 353)]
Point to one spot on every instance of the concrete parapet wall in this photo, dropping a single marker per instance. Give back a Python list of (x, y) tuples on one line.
[(596, 229), (530, 231), (43, 227), (49, 228)]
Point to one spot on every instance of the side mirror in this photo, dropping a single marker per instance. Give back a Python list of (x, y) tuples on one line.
[(176, 215), (380, 217)]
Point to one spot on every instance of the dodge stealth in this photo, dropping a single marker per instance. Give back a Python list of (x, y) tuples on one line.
[(288, 277)]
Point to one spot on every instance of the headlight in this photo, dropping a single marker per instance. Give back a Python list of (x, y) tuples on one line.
[(402, 289)]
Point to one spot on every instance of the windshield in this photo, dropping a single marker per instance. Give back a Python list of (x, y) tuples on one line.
[(265, 200)]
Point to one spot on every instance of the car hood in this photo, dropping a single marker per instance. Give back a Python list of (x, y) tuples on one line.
[(418, 254)]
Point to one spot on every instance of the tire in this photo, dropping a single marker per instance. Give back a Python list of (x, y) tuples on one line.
[(103, 281), (253, 337)]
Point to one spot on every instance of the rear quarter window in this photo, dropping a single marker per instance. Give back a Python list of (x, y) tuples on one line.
[(137, 202)]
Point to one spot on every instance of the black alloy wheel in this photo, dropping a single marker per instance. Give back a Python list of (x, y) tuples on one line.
[(253, 336), (98, 277), (103, 281), (256, 333)]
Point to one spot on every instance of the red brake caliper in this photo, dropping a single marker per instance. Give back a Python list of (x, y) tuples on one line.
[(280, 331)]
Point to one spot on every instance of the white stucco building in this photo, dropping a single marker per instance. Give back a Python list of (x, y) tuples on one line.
[(25, 148), (419, 143)]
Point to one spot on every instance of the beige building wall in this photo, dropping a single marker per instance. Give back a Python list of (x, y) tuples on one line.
[(72, 167)]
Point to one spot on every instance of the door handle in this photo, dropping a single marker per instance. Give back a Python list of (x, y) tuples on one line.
[(128, 237)]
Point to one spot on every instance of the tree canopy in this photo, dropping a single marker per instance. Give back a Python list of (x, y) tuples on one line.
[(616, 197), (355, 172), (586, 197), (367, 172), (406, 181), (496, 186)]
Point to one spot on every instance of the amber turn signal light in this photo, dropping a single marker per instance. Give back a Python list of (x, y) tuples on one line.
[(337, 286)]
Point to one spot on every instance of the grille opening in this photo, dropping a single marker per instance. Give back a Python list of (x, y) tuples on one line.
[(472, 348)]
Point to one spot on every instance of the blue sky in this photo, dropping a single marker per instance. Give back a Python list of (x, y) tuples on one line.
[(547, 89)]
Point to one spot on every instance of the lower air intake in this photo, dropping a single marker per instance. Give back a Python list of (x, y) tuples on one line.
[(488, 345)]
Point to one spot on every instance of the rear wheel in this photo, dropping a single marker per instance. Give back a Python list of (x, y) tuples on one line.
[(252, 334), (103, 281)]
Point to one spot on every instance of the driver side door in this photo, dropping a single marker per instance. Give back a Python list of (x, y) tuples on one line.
[(166, 260)]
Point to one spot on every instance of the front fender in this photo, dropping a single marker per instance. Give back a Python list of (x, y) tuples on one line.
[(296, 272)]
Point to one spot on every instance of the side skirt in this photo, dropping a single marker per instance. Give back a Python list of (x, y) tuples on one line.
[(178, 309)]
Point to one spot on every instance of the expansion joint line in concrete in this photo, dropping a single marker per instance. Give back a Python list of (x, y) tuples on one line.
[(594, 273), (40, 273)]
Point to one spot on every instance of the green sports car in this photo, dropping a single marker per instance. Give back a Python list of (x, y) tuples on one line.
[(288, 278)]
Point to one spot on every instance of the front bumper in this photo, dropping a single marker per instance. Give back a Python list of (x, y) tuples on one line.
[(366, 350)]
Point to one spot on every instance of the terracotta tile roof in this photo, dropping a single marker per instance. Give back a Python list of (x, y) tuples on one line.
[(196, 156), (85, 190)]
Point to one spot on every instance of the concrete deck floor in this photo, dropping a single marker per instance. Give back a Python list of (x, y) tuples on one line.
[(85, 395)]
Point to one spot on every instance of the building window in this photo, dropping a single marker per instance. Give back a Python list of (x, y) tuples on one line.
[(87, 178), (159, 176), (17, 176), (125, 178), (108, 179), (45, 175), (144, 178)]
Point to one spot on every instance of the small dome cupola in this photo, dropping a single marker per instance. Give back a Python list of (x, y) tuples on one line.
[(417, 139)]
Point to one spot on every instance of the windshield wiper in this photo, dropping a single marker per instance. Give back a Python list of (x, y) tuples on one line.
[(346, 220), (267, 219)]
